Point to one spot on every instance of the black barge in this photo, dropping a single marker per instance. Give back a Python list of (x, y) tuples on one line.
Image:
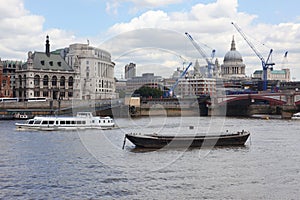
[(188, 141)]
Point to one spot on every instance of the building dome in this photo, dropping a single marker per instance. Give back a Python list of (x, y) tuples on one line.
[(233, 55), (233, 66)]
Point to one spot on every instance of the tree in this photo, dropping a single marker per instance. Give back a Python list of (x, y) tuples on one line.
[(147, 92)]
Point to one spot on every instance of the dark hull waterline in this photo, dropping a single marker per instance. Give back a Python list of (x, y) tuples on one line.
[(159, 141)]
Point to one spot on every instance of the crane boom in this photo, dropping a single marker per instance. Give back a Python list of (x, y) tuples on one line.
[(203, 54), (170, 92), (265, 64), (248, 41)]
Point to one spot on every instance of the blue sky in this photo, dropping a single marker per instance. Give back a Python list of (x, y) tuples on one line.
[(276, 24), (90, 17)]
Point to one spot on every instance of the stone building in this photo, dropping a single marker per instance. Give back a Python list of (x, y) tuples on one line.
[(45, 74), (233, 66), (279, 75), (94, 70), (147, 79), (130, 70), (196, 86)]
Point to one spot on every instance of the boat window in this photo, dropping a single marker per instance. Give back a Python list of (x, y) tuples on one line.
[(78, 122), (56, 122), (68, 122), (93, 121), (62, 122), (45, 122), (30, 122), (83, 122), (51, 122), (73, 122), (37, 122)]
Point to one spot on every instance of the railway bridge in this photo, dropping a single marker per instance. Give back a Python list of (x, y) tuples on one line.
[(245, 104)]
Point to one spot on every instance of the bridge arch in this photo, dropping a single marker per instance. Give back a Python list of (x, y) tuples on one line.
[(272, 99)]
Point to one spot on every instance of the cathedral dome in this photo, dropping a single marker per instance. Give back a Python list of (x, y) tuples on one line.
[(233, 55), (233, 66)]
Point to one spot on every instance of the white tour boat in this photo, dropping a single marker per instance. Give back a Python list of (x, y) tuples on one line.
[(83, 120), (296, 116)]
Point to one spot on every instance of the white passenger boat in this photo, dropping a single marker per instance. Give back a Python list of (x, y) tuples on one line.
[(83, 120), (296, 116)]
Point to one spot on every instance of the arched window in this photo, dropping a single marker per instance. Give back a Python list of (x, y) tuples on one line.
[(20, 80), (45, 80), (70, 82), (62, 81), (24, 80), (36, 80), (54, 81)]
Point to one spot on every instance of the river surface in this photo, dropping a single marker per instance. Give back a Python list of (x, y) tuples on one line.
[(92, 164)]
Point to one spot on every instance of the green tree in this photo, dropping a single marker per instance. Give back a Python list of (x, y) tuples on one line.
[(147, 92)]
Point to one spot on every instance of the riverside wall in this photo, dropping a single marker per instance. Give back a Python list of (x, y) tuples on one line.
[(154, 109)]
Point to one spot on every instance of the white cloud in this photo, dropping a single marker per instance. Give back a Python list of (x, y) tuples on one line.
[(153, 3), (211, 24), (112, 6), (13, 9), (21, 31)]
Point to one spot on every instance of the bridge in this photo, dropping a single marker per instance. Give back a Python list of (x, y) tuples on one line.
[(283, 98), (281, 103)]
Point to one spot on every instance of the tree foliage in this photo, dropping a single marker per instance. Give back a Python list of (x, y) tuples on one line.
[(147, 92)]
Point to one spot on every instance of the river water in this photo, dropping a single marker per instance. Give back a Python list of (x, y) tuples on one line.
[(92, 164)]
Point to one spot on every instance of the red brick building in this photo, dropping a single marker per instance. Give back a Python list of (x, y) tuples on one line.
[(5, 87)]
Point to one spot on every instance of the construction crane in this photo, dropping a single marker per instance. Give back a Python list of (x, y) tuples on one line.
[(265, 63), (170, 92), (284, 61), (210, 65)]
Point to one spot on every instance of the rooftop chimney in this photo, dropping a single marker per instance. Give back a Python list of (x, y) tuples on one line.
[(47, 46)]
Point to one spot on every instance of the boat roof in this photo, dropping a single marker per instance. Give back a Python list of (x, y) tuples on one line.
[(84, 114), (81, 116)]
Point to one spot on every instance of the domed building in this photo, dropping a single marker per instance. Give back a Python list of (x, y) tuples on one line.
[(233, 66)]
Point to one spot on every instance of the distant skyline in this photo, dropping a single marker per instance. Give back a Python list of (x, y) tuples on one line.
[(269, 24)]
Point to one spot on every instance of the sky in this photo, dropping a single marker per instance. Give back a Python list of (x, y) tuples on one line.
[(150, 33)]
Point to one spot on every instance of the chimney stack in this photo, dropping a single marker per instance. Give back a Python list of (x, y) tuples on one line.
[(47, 46)]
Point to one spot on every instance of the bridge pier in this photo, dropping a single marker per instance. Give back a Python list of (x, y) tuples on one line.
[(290, 107), (288, 111)]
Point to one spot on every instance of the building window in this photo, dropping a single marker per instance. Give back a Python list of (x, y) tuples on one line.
[(36, 80), (62, 95), (45, 93), (70, 94), (20, 80), (70, 82), (54, 81), (62, 81), (45, 80), (36, 93)]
